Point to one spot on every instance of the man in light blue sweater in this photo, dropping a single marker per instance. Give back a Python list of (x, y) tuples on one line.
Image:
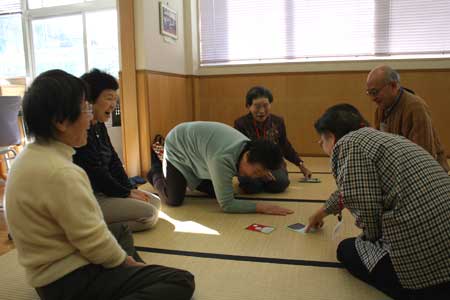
[(206, 156)]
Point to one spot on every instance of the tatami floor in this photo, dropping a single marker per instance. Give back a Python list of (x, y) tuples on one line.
[(230, 262)]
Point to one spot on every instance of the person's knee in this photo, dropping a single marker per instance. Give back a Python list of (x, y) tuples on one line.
[(146, 218), (185, 279), (175, 203), (345, 250), (154, 201)]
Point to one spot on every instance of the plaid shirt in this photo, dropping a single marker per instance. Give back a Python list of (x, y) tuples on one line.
[(400, 197)]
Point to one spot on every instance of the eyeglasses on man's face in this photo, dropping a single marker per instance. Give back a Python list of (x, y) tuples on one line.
[(374, 92)]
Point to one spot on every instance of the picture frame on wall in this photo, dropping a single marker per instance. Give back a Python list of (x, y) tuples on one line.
[(168, 21)]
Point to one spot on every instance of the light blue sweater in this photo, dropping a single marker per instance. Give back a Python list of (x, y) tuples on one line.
[(209, 150)]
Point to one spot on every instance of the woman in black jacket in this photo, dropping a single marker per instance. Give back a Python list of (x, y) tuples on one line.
[(119, 200)]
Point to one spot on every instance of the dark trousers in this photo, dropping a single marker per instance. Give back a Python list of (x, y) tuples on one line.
[(125, 283), (257, 185), (383, 276), (172, 188)]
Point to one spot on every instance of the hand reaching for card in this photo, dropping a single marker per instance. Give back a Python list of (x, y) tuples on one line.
[(272, 209), (316, 220), (306, 172)]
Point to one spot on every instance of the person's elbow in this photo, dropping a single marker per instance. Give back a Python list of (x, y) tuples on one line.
[(227, 208)]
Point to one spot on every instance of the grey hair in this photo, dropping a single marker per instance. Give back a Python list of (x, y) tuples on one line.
[(391, 75)]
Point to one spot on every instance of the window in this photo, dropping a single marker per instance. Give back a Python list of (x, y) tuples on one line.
[(102, 41), (73, 35), (33, 4), (12, 55), (261, 31), (58, 44)]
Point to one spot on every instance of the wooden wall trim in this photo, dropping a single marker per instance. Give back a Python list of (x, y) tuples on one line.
[(164, 73), (234, 75), (144, 122), (128, 99)]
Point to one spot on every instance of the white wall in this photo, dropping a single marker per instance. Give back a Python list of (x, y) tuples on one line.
[(153, 52), (115, 134)]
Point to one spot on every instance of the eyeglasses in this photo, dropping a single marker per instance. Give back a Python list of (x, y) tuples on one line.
[(87, 108), (374, 92)]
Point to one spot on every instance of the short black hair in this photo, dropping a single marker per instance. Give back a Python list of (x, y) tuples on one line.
[(264, 152), (54, 96), (98, 81), (339, 120), (258, 92), (349, 108)]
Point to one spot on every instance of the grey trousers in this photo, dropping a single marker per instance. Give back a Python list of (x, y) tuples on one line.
[(137, 214), (125, 283)]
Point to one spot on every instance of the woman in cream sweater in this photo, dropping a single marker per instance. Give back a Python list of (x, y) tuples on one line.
[(55, 220)]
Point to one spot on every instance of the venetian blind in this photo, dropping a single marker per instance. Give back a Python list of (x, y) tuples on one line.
[(9, 6), (234, 31)]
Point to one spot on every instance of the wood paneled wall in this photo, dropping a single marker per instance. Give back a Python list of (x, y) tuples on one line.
[(299, 97), (302, 97), (168, 100)]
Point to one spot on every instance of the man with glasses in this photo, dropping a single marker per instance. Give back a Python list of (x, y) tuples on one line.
[(401, 112)]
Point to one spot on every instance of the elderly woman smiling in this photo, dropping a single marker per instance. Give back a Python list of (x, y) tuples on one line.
[(53, 216), (118, 199)]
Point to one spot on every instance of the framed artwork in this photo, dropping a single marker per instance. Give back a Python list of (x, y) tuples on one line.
[(168, 21)]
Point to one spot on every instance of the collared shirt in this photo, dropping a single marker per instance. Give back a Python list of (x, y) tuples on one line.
[(400, 197), (387, 111)]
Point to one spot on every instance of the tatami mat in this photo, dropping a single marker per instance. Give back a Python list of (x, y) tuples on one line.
[(296, 190), (13, 285), (200, 226), (227, 280), (314, 164), (232, 280)]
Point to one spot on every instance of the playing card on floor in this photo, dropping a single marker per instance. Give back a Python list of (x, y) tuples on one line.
[(261, 228)]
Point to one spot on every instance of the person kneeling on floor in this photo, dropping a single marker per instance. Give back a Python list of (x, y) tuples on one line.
[(399, 195), (206, 156)]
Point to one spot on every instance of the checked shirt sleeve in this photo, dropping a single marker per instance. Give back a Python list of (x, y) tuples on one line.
[(357, 181)]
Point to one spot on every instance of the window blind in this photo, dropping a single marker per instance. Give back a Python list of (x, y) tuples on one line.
[(9, 6), (259, 31)]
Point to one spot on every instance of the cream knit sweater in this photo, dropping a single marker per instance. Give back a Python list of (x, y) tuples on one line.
[(53, 216)]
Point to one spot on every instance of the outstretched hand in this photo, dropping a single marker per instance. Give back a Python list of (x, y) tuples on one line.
[(272, 209)]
